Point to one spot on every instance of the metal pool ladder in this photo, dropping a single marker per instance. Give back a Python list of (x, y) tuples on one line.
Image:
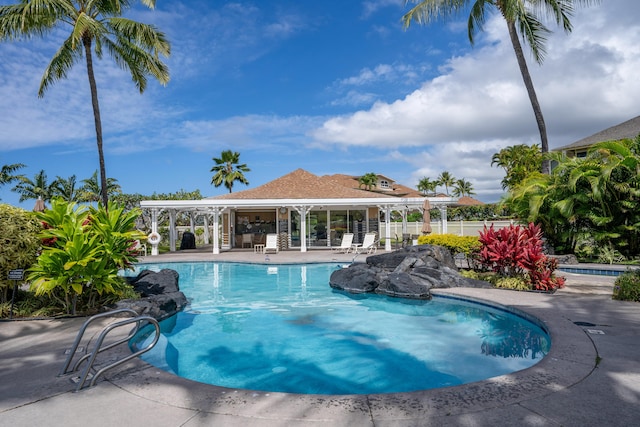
[(90, 357)]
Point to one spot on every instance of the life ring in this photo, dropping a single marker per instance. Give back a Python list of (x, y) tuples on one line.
[(154, 238)]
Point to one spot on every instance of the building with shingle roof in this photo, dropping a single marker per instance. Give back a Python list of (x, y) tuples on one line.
[(626, 130), (303, 209)]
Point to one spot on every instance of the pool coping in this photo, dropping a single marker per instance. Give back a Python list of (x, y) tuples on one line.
[(571, 359)]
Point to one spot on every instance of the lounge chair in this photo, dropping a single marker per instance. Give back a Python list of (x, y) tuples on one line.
[(272, 243), (345, 245), (369, 244)]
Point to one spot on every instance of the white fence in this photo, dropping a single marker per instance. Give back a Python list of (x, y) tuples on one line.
[(460, 228)]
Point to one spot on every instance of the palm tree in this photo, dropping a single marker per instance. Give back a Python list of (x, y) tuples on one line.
[(518, 161), (228, 170), (38, 188), (462, 188), (7, 173), (368, 180), (523, 19), (426, 186), (91, 190), (66, 188), (447, 180), (94, 24)]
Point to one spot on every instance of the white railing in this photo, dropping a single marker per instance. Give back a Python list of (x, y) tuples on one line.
[(460, 228)]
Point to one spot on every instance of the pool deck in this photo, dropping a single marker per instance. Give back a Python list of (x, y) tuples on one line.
[(591, 377)]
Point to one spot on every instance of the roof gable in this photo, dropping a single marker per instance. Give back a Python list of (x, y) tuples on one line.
[(625, 130)]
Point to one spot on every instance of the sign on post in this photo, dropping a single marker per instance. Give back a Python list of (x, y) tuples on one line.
[(16, 274)]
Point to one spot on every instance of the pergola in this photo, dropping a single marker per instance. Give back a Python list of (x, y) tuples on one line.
[(214, 208)]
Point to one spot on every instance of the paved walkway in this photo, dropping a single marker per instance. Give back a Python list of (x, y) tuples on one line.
[(591, 377)]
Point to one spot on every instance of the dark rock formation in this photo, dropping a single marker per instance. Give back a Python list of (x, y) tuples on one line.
[(160, 294), (406, 273), (565, 259)]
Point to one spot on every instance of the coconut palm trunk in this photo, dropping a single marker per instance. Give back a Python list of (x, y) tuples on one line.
[(533, 98), (96, 118)]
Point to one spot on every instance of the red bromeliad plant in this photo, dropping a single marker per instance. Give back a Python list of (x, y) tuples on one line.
[(517, 251)]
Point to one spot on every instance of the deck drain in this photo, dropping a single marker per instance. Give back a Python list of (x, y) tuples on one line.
[(595, 331), (584, 324)]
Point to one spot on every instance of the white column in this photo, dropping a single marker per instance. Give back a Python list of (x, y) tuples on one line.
[(192, 225), (303, 210), (172, 230), (404, 220), (206, 229), (216, 232), (154, 229), (443, 218), (387, 228)]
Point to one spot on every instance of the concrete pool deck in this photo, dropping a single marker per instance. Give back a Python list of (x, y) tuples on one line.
[(591, 376)]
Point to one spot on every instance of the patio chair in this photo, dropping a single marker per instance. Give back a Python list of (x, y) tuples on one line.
[(139, 248), (345, 245), (272, 243), (247, 239), (369, 244)]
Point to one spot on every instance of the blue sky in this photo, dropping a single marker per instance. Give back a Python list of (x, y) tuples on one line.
[(332, 87)]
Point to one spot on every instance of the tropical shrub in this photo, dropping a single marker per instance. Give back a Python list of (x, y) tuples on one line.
[(516, 251), (88, 248), (627, 286), (456, 244), (608, 255), (586, 199), (514, 283), (19, 244)]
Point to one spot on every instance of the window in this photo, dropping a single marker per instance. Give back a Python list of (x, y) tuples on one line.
[(384, 183)]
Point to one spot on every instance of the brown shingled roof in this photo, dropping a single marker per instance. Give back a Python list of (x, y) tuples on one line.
[(468, 201), (398, 190), (301, 184)]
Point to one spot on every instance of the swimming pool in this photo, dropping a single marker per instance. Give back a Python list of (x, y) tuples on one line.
[(282, 328)]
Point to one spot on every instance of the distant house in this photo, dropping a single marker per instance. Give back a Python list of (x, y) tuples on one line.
[(304, 209), (629, 129)]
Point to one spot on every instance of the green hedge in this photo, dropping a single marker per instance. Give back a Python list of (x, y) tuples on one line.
[(456, 244)]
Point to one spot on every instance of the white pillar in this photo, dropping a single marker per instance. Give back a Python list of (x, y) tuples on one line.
[(206, 229), (172, 230), (192, 225), (404, 220), (443, 218), (303, 229), (387, 231), (216, 232), (303, 210), (154, 229)]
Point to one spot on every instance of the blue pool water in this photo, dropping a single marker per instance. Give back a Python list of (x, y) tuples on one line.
[(282, 328)]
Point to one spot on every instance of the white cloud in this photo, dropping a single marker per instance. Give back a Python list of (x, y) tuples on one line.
[(479, 105)]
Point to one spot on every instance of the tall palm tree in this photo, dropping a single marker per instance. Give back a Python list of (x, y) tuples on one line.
[(91, 190), (66, 188), (523, 19), (462, 188), (228, 170), (7, 175), (368, 180), (38, 188), (447, 180), (426, 185), (94, 25)]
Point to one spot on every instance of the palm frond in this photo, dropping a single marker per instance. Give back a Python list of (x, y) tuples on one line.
[(63, 60)]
